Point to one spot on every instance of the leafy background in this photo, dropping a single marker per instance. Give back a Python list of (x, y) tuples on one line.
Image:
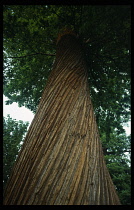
[(29, 46), (13, 136)]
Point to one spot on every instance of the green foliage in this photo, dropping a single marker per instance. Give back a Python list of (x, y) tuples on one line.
[(117, 148), (33, 29), (13, 135)]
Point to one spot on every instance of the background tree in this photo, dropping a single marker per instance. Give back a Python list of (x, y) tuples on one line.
[(30, 39), (13, 136)]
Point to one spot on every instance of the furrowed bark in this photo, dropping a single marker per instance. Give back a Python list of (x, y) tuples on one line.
[(61, 161)]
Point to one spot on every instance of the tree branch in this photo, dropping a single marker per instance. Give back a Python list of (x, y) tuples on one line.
[(32, 55), (114, 153)]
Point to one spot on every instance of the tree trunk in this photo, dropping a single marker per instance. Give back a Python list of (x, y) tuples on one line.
[(61, 161)]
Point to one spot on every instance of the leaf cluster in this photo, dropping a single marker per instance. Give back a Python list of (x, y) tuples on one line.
[(13, 135), (117, 151)]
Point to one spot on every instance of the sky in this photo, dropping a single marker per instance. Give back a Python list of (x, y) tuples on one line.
[(18, 113), (24, 114)]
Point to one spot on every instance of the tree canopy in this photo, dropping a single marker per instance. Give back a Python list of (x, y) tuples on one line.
[(30, 33)]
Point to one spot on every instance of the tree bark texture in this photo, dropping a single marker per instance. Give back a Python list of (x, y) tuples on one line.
[(61, 161)]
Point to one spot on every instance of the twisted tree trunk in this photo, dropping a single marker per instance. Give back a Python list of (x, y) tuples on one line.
[(61, 161)]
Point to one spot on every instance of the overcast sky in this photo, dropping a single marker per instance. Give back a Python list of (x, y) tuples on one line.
[(18, 113), (24, 114)]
